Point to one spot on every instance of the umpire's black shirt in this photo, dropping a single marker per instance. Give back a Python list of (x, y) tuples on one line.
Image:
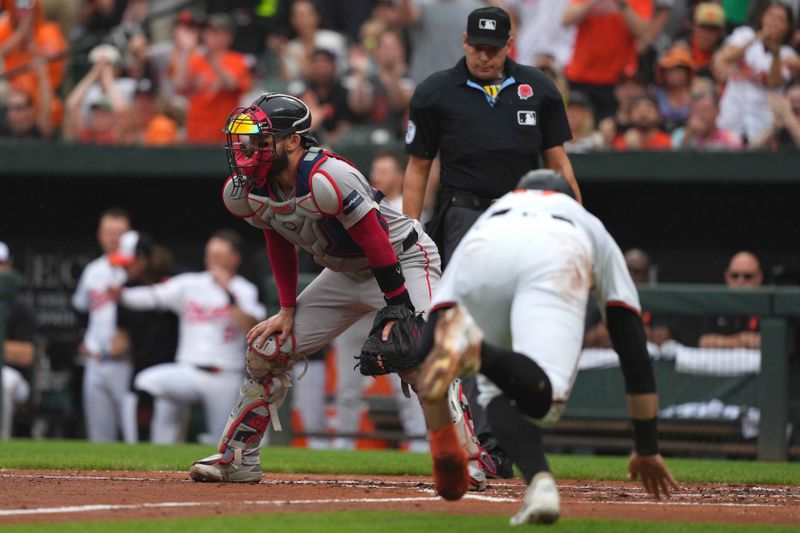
[(488, 136)]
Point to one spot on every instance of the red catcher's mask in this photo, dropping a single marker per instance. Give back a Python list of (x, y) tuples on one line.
[(250, 146)]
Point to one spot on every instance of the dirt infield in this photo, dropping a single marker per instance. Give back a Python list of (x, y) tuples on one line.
[(50, 496)]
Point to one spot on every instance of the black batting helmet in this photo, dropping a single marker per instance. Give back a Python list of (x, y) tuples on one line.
[(545, 179)]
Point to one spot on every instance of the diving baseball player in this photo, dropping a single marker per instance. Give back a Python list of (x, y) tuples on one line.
[(214, 308), (376, 259), (516, 316)]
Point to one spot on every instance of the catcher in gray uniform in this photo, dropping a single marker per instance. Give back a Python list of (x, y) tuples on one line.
[(376, 259)]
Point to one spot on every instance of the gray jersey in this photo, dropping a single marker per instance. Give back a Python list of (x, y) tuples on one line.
[(330, 197)]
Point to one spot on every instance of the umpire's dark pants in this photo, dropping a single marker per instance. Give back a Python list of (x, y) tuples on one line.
[(457, 221)]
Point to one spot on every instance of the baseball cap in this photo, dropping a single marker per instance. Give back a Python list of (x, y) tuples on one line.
[(188, 17), (5, 254), (709, 14), (579, 98), (221, 21), (489, 26), (103, 102), (132, 244), (676, 56), (126, 253)]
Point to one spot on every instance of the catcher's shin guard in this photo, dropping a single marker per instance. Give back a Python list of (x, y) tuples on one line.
[(480, 463), (238, 457)]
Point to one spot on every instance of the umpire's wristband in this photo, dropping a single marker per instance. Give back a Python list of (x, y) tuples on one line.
[(645, 436)]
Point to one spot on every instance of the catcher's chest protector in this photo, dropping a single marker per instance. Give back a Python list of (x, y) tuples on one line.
[(308, 219)]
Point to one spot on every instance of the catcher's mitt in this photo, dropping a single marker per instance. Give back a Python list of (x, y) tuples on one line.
[(380, 357)]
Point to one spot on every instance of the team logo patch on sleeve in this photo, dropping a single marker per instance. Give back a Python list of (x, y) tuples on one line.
[(411, 132), (524, 91), (351, 202)]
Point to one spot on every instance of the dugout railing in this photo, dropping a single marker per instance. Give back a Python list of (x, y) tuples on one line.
[(606, 429)]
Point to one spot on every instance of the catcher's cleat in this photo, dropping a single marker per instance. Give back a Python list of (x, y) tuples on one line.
[(225, 468), (541, 503), (451, 478), (477, 477), (456, 353)]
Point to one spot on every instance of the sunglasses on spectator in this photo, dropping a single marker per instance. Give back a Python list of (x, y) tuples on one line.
[(747, 276)]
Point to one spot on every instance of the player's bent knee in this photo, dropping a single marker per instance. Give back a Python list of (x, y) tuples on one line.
[(269, 358), (552, 415)]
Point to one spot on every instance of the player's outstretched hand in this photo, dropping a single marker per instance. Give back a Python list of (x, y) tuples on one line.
[(280, 323), (653, 472)]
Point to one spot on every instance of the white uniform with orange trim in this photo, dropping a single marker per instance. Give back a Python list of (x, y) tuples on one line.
[(208, 364), (109, 405), (524, 272)]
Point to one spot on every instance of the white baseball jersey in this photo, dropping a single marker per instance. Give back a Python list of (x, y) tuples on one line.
[(743, 108), (330, 197), (208, 335), (611, 281), (91, 296), (524, 271)]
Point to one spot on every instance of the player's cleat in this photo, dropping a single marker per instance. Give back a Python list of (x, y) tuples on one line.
[(225, 468), (451, 478), (504, 466), (477, 477), (456, 353), (541, 504)]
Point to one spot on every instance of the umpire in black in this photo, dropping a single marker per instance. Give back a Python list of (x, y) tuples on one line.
[(489, 119)]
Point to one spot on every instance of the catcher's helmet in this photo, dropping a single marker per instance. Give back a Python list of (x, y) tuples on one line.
[(252, 132), (545, 179)]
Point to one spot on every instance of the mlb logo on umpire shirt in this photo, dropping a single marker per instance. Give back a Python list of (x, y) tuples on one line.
[(526, 118), (487, 24)]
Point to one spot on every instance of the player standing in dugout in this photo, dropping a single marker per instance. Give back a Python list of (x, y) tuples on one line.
[(489, 119)]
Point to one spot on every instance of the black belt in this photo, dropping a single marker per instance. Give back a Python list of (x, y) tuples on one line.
[(209, 369), (556, 217), (459, 198), (410, 240)]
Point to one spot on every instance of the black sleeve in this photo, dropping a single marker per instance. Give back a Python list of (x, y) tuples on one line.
[(554, 125), (424, 126), (21, 324), (630, 343)]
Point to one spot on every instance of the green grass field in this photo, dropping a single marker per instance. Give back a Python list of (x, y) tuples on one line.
[(365, 521), (77, 455)]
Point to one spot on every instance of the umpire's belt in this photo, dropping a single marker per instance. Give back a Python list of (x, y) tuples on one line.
[(410, 240), (460, 198)]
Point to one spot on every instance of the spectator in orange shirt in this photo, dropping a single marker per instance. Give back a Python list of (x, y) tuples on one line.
[(214, 80), (674, 92), (605, 46), (145, 123), (24, 35), (645, 132)]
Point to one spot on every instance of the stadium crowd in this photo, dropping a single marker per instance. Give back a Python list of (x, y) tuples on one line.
[(635, 74)]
